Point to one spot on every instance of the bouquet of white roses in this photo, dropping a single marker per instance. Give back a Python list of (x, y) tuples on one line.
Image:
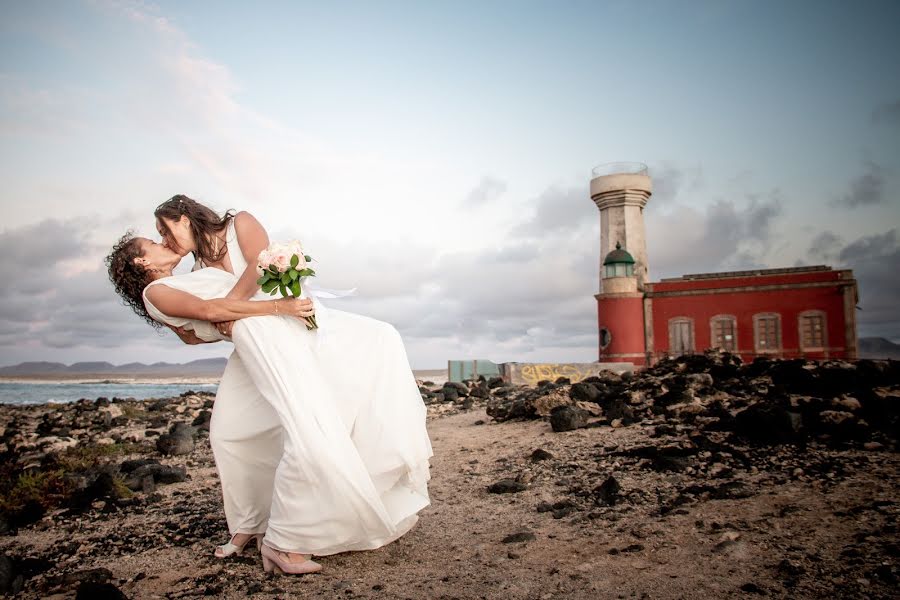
[(283, 267)]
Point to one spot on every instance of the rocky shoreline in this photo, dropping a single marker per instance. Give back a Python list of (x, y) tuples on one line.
[(784, 473)]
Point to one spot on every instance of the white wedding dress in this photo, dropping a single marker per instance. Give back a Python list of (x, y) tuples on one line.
[(321, 445)]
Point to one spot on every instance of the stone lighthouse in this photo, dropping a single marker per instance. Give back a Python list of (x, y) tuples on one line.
[(620, 191)]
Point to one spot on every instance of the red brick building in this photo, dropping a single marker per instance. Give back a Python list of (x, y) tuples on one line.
[(791, 312)]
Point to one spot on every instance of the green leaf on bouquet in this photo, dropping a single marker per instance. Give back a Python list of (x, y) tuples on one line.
[(274, 272), (294, 275), (269, 286), (295, 260), (274, 289), (307, 257), (285, 278), (295, 288), (283, 290), (262, 280)]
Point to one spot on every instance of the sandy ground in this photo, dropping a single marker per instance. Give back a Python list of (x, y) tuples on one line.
[(791, 529)]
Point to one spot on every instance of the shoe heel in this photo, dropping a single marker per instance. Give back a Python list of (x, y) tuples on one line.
[(270, 566)]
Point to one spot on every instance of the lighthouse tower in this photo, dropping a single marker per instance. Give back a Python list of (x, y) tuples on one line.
[(620, 191)]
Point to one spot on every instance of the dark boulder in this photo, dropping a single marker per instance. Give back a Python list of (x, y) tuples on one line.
[(495, 382), (202, 421), (505, 409), (540, 454), (160, 474), (607, 493), (179, 440), (506, 486), (450, 393), (90, 590), (584, 392), (617, 408), (128, 466), (768, 422), (11, 580), (567, 418)]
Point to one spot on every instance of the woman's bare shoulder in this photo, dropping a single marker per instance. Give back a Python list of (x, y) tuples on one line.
[(244, 218), (249, 230)]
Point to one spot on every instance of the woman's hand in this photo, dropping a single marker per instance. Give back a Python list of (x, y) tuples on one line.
[(187, 336), (224, 327), (296, 307)]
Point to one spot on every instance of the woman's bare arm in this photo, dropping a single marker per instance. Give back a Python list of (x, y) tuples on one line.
[(253, 239), (177, 303), (189, 337)]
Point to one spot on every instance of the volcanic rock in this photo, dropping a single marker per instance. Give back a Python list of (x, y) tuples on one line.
[(567, 418), (506, 486)]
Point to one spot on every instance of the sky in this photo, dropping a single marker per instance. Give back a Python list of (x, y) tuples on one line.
[(437, 155)]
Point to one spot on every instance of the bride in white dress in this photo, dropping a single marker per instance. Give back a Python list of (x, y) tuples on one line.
[(354, 466)]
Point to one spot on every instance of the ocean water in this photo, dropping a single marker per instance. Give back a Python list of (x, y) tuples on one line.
[(42, 392)]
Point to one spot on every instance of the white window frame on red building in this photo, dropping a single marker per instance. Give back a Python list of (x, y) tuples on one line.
[(800, 319), (778, 337), (712, 331)]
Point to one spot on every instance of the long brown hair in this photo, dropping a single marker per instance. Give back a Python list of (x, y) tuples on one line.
[(128, 277), (205, 224)]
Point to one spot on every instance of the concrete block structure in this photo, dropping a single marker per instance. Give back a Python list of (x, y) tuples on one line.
[(787, 312), (532, 373)]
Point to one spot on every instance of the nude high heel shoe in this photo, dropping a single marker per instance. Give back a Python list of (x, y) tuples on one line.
[(230, 549), (273, 562)]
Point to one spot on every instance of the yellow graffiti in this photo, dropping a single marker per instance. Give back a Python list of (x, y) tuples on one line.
[(532, 373)]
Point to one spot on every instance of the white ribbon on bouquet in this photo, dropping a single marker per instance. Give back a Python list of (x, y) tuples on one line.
[(315, 293)]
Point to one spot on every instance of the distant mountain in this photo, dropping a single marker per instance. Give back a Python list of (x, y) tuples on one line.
[(34, 368), (878, 347), (90, 367), (196, 368)]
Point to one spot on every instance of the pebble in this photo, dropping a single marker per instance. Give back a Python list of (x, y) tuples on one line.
[(506, 486), (522, 536)]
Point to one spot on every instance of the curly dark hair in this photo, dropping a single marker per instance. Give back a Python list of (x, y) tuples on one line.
[(205, 223), (128, 277)]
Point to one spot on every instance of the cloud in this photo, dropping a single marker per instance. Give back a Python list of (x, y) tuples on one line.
[(825, 246), (866, 189), (874, 260), (528, 295), (487, 190), (670, 180), (869, 248), (58, 296), (144, 13), (558, 210), (39, 246), (887, 114), (725, 235)]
